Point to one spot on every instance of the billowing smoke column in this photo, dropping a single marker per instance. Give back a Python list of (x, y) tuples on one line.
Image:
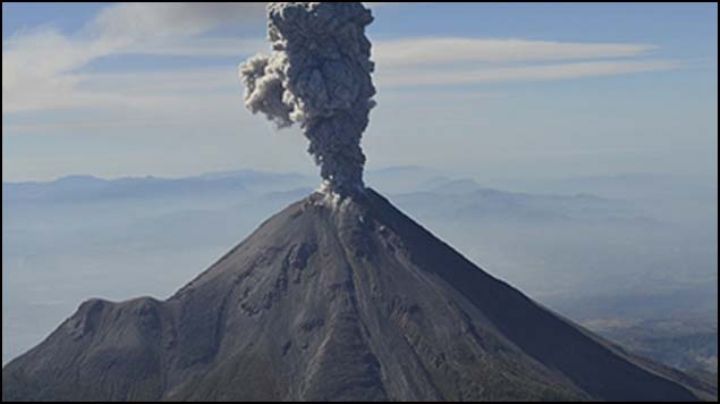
[(318, 75)]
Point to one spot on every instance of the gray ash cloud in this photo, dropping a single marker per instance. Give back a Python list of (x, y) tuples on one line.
[(318, 76)]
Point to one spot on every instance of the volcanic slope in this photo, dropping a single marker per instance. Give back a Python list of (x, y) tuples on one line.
[(335, 300)]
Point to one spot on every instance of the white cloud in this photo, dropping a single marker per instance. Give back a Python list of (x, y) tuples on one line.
[(432, 51), (43, 70), (452, 61), (146, 20), (563, 71), (35, 67), (38, 68), (185, 82), (199, 47)]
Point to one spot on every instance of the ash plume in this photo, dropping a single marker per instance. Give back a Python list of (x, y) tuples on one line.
[(318, 75)]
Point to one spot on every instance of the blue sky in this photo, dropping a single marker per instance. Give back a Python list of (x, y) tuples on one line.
[(489, 90)]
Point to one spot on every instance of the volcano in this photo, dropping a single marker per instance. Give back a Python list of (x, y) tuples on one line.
[(336, 299)]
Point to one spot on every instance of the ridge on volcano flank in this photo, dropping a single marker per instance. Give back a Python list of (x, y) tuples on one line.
[(335, 300)]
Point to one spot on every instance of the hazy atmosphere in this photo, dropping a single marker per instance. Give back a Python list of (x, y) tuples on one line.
[(531, 90), (568, 149)]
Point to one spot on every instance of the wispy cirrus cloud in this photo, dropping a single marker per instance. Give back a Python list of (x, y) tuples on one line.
[(40, 68), (43, 70), (560, 71), (413, 62), (140, 21), (450, 50)]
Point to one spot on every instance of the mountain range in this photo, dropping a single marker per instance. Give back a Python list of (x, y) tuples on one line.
[(336, 299)]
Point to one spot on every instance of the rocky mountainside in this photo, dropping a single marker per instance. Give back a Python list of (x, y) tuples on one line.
[(336, 300)]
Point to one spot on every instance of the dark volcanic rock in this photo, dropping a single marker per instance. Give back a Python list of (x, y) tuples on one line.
[(335, 301)]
